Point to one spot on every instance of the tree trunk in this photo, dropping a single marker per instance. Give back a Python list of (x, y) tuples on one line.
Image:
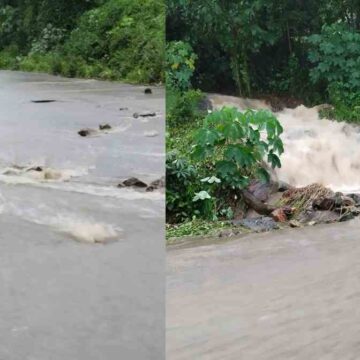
[(235, 67)]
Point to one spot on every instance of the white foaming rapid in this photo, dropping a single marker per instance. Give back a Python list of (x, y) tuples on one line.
[(316, 150), (82, 229), (30, 174), (79, 228)]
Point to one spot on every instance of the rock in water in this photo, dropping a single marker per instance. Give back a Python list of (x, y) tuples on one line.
[(133, 182), (85, 132), (279, 215), (104, 127), (259, 224), (205, 104), (356, 198), (157, 184), (148, 91), (262, 190), (348, 201), (324, 204), (228, 233), (318, 216), (43, 101), (283, 186), (144, 114), (347, 216), (36, 168), (294, 224)]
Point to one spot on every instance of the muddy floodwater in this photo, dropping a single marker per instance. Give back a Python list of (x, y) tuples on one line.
[(289, 294), (81, 261)]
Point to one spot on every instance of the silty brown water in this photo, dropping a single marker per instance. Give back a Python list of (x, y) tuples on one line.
[(62, 296)]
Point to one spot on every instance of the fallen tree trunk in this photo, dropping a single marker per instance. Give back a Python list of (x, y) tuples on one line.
[(260, 207)]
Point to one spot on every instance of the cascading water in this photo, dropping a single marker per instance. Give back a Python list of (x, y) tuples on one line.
[(316, 150)]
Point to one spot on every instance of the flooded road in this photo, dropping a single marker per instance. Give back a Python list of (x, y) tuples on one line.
[(287, 295), (64, 295)]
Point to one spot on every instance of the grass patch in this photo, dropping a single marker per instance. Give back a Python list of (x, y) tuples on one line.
[(195, 228)]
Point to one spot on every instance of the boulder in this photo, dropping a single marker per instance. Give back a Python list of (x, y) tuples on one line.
[(262, 190), (324, 203), (276, 104), (356, 198), (205, 104), (284, 186), (258, 224), (347, 201), (156, 184), (104, 127), (44, 101), (335, 202), (85, 132), (338, 199), (133, 182), (228, 233), (294, 223), (279, 215), (318, 216), (347, 216), (144, 114), (36, 168)]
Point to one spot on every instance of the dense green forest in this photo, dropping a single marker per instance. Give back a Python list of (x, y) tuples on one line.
[(107, 39), (291, 47), (288, 52)]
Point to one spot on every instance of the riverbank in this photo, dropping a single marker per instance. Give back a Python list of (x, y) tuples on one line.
[(288, 207)]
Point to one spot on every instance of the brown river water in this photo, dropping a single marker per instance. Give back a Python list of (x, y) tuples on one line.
[(62, 296)]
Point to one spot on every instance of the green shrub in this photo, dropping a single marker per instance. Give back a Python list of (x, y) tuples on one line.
[(346, 104), (183, 108), (180, 65), (227, 150), (180, 188), (9, 60), (110, 39), (8, 24), (336, 55), (231, 141), (126, 36), (50, 38)]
